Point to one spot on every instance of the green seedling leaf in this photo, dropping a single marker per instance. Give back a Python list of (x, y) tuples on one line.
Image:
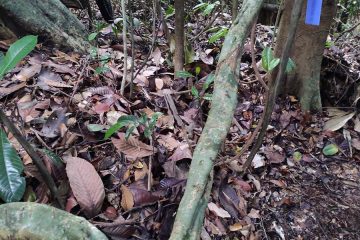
[(12, 184), (16, 52), (170, 11), (266, 57), (95, 127), (122, 122), (274, 63), (200, 6), (129, 131), (197, 70), (92, 36), (290, 66), (55, 159), (208, 9), (102, 69), (195, 92), (209, 80), (183, 74), (153, 120), (297, 156), (219, 34), (330, 150), (208, 96)]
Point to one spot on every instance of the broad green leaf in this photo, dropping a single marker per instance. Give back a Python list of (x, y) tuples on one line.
[(12, 184), (1, 58), (330, 150), (183, 74), (290, 65), (200, 6), (273, 64), (92, 36), (95, 127), (122, 122), (55, 159), (209, 80), (194, 92), (16, 52), (219, 34), (266, 57), (170, 11), (297, 156)]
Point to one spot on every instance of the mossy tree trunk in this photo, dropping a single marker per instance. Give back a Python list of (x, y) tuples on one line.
[(307, 53), (190, 214), (50, 19)]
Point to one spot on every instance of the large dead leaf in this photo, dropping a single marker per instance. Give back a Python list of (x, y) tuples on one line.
[(29, 109), (181, 152), (86, 185), (132, 147), (338, 121), (218, 211), (4, 91), (48, 79), (27, 73)]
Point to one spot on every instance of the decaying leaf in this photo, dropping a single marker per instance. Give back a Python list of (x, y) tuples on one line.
[(86, 185), (132, 147), (52, 127), (338, 121), (127, 199)]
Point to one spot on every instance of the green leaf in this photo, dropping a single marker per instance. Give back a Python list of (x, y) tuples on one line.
[(330, 150), (208, 96), (266, 57), (209, 80), (273, 64), (147, 133), (208, 9), (92, 36), (219, 34), (290, 65), (297, 156), (197, 70), (183, 74), (122, 122), (194, 92), (95, 127), (55, 159), (16, 52), (129, 131), (170, 11), (154, 119), (12, 184), (1, 58), (200, 6)]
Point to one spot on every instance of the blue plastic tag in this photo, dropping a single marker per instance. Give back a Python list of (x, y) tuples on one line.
[(313, 12)]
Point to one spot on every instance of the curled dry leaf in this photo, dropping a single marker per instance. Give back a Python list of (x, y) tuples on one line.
[(127, 199), (48, 79), (86, 185), (338, 121), (132, 147), (27, 73)]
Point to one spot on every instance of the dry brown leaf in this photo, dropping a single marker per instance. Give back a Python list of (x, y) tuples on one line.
[(86, 185), (8, 90), (181, 152), (141, 173), (235, 227), (156, 55), (27, 73), (60, 68), (28, 110), (132, 147), (127, 199), (48, 79), (337, 122), (54, 124), (169, 142), (159, 83), (218, 211)]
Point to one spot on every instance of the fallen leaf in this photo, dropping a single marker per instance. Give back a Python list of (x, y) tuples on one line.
[(254, 213), (156, 56), (258, 161), (48, 79), (27, 73), (218, 211), (53, 124), (132, 147), (337, 122), (159, 83), (235, 227), (127, 199), (181, 152), (274, 156), (86, 185)]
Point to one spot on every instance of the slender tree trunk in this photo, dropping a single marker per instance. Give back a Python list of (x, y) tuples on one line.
[(190, 215), (179, 55), (307, 53), (49, 19)]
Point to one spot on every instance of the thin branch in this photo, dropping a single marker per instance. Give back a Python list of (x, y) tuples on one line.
[(123, 9)]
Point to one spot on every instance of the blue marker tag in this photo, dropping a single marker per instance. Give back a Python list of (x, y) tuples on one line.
[(313, 12)]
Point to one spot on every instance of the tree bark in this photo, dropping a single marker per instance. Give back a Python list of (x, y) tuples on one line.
[(307, 53), (50, 19), (179, 55), (190, 213)]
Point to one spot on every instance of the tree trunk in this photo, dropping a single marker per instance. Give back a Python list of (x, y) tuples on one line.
[(190, 214), (307, 53), (50, 19), (179, 55)]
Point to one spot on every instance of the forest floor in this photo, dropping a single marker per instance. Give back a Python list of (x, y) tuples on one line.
[(64, 103)]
